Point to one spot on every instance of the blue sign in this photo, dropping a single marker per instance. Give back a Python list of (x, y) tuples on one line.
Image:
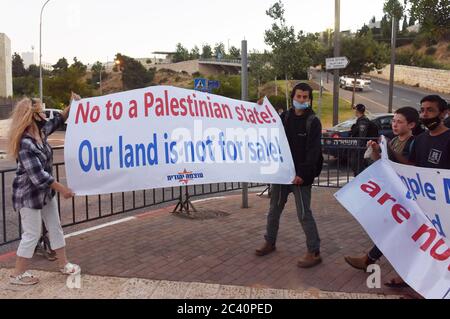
[(200, 85), (213, 84)]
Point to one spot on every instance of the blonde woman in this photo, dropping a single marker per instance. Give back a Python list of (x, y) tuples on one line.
[(34, 187)]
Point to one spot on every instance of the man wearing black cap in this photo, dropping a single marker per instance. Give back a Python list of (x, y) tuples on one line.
[(362, 128)]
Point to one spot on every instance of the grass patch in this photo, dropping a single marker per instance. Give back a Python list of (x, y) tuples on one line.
[(326, 111)]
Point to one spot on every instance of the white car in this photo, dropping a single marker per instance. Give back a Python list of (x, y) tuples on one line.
[(346, 82)]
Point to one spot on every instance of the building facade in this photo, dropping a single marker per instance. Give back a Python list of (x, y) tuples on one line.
[(6, 89)]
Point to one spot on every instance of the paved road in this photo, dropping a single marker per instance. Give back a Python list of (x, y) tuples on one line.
[(376, 98)]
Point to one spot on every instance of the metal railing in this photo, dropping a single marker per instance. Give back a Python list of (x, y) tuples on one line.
[(336, 172)]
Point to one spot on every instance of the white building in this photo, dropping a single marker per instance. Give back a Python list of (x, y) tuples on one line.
[(414, 28), (6, 89), (374, 25), (29, 58), (47, 66)]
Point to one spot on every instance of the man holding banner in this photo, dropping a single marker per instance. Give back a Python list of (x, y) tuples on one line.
[(432, 148), (404, 122), (404, 209), (303, 131)]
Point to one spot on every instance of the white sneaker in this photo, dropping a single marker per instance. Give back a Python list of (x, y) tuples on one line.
[(25, 279)]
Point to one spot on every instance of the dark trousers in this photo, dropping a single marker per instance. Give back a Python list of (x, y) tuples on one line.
[(278, 200), (374, 254)]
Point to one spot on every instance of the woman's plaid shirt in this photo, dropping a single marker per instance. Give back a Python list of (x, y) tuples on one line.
[(34, 174)]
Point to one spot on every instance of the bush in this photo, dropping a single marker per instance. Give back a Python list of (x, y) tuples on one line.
[(411, 58), (278, 101), (422, 39), (430, 51)]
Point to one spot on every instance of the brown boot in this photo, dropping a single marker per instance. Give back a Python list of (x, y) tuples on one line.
[(267, 248), (309, 260), (358, 262)]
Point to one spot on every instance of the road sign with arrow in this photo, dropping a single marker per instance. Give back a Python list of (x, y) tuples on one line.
[(339, 62)]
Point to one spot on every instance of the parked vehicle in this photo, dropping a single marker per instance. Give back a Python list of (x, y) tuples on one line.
[(337, 140), (346, 82)]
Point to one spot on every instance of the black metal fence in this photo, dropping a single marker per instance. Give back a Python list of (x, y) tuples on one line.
[(338, 170)]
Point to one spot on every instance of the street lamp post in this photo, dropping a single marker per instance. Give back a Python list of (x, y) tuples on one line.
[(337, 22), (40, 53), (391, 77)]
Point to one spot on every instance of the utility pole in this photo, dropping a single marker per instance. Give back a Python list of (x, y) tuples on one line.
[(244, 96), (40, 55), (391, 77), (320, 95), (336, 54)]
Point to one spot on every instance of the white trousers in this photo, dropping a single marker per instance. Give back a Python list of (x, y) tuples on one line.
[(32, 228)]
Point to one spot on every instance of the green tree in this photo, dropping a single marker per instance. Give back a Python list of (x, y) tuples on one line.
[(25, 85), (206, 51), (261, 70), (393, 8), (364, 29), (57, 88), (96, 68), (315, 50), (234, 53), (134, 75), (61, 66), (181, 53), (219, 50), (78, 66), (365, 54), (385, 26), (195, 53), (33, 71), (434, 17), (18, 68), (405, 23), (288, 57)]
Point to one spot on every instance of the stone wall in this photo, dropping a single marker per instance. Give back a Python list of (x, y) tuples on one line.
[(431, 79), (6, 89)]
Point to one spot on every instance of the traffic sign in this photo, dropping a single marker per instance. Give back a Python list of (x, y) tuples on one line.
[(339, 62), (200, 84), (213, 84)]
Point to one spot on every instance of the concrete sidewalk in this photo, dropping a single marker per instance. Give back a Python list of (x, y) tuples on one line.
[(162, 255)]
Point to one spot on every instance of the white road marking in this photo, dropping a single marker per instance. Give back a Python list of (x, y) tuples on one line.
[(206, 199), (99, 226)]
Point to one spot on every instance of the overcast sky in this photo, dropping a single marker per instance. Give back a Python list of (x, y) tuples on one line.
[(95, 30)]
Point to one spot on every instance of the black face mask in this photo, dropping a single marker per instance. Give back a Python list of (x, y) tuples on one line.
[(432, 123)]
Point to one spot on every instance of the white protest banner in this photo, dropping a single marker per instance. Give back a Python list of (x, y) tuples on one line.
[(391, 211), (163, 136), (430, 188)]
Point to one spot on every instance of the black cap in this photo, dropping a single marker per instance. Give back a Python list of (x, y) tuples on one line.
[(360, 108)]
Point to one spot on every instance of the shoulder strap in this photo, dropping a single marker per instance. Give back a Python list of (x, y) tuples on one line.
[(285, 117), (309, 120), (411, 144)]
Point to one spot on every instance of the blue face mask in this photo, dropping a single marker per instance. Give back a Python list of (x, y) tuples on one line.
[(300, 106)]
